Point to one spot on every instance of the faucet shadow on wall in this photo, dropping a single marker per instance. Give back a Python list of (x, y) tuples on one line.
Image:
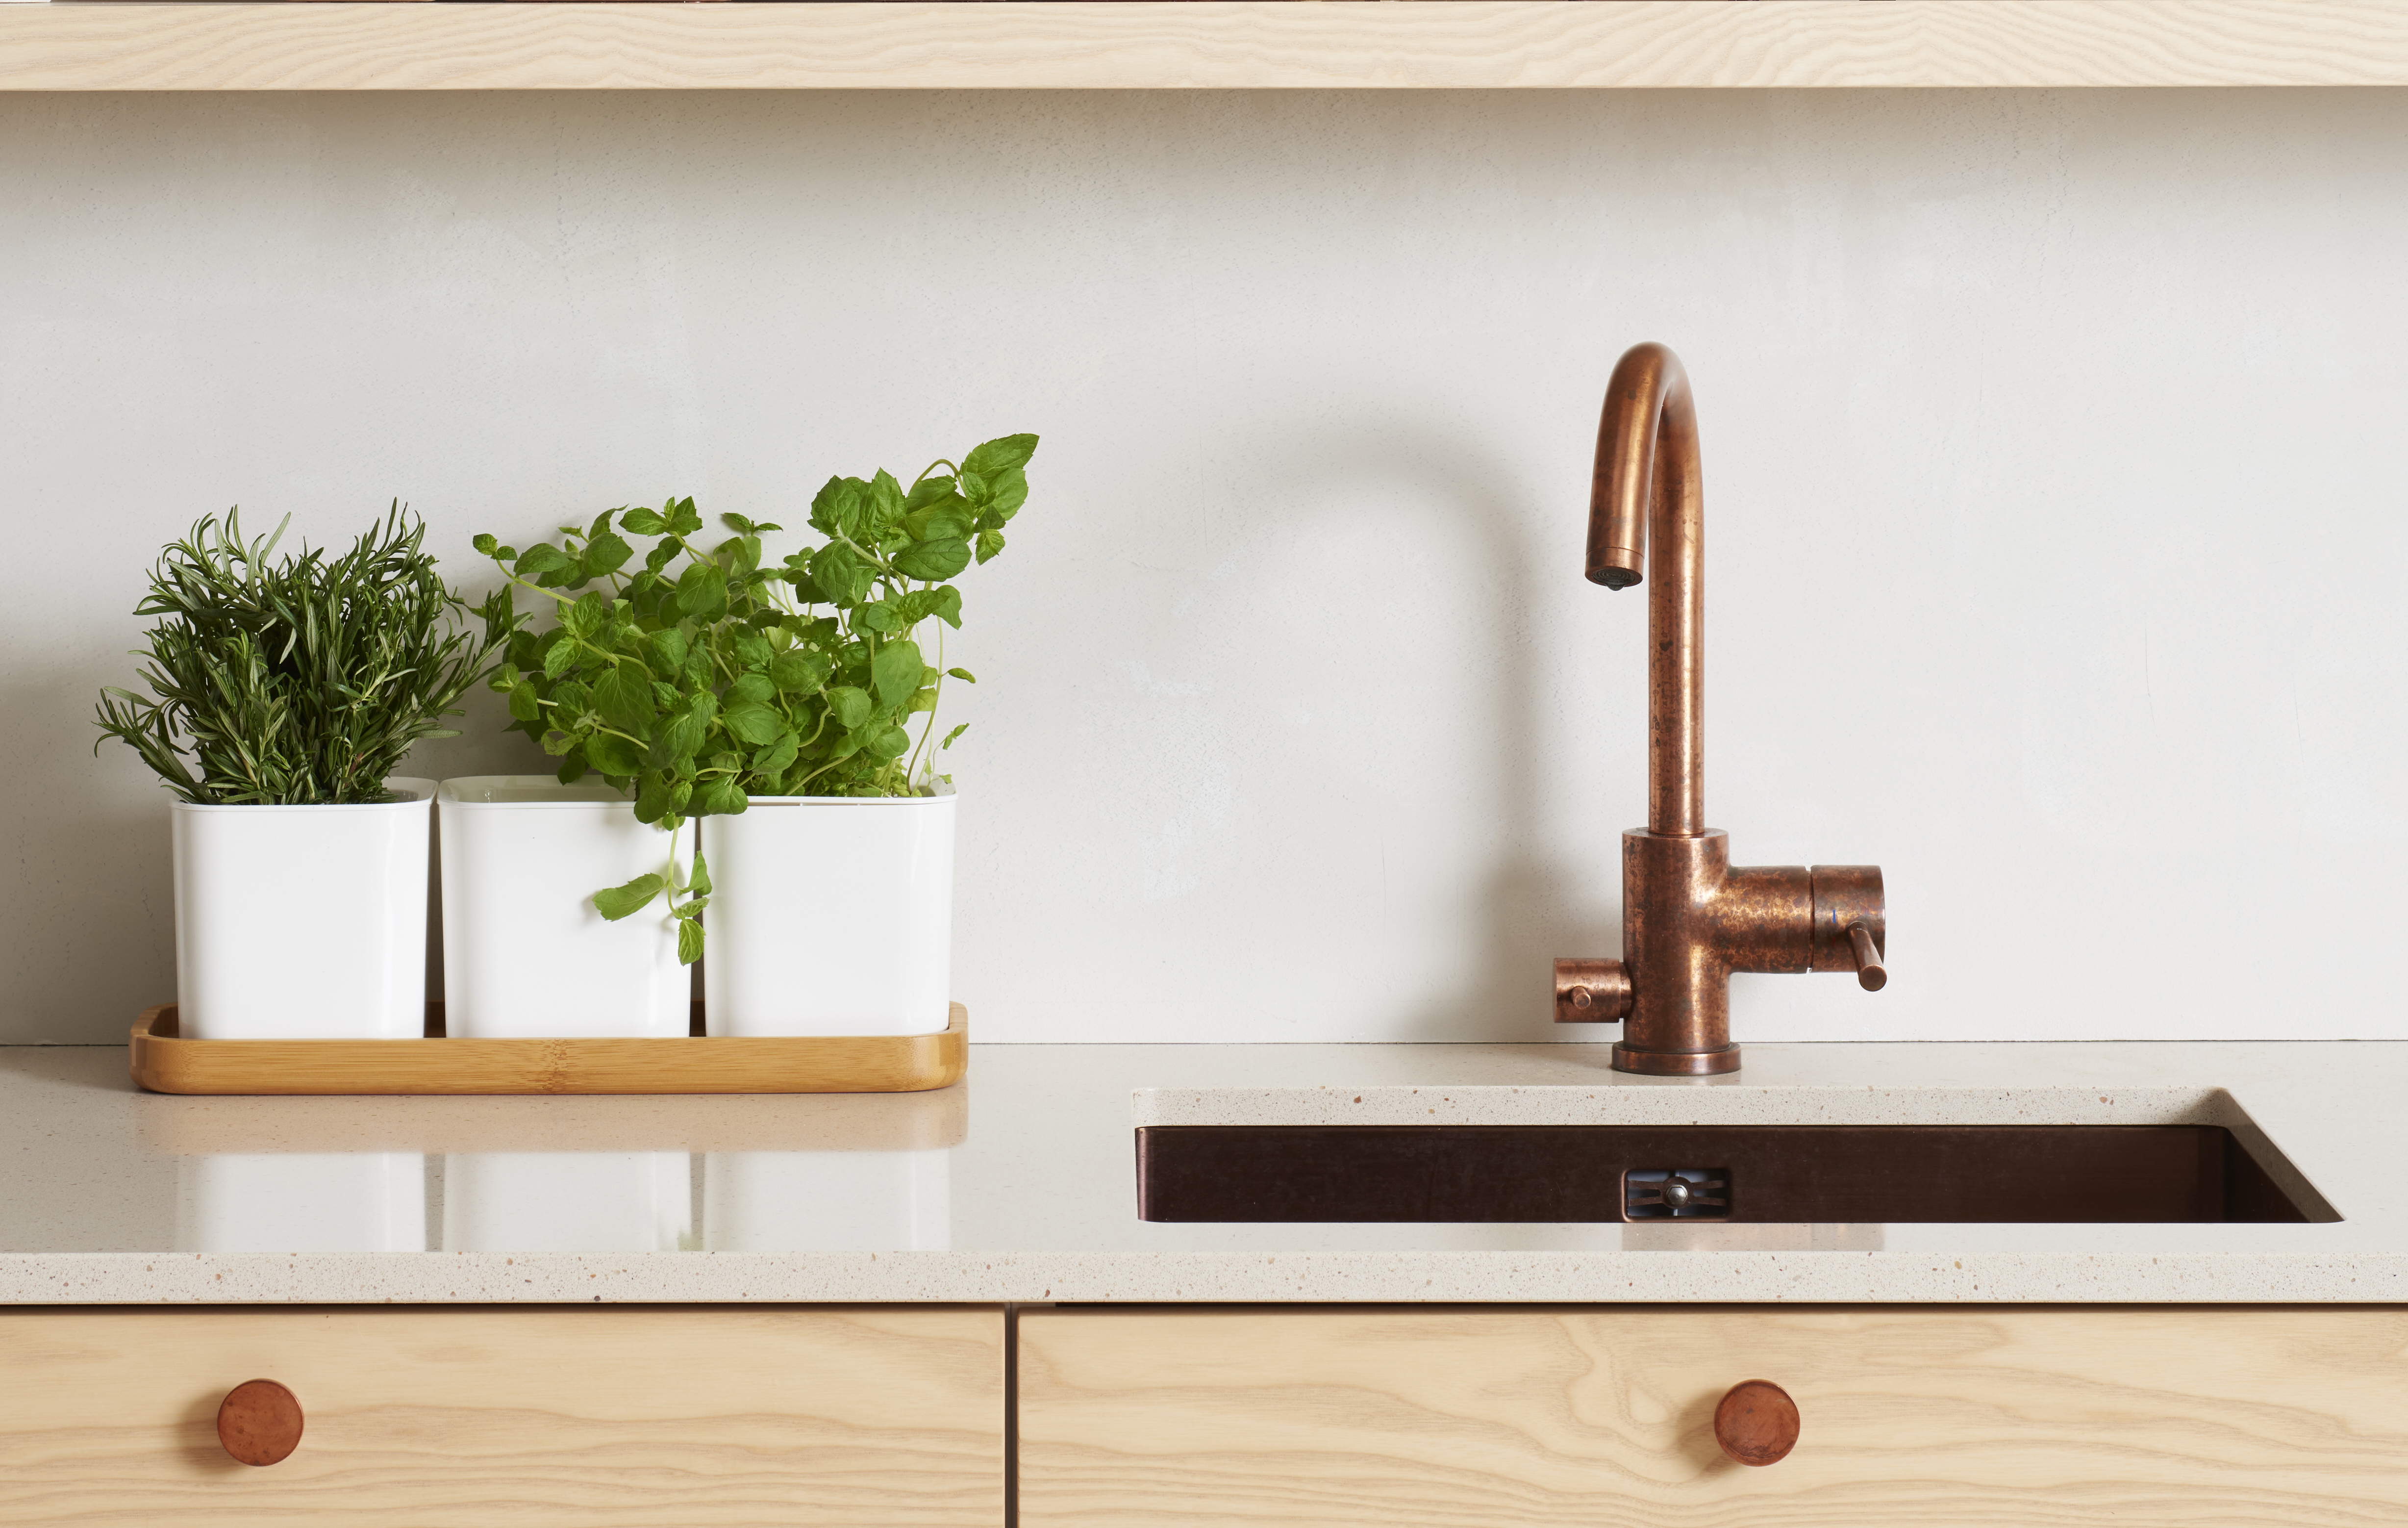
[(1529, 905)]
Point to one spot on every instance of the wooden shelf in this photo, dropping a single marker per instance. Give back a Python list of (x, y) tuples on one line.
[(1193, 44)]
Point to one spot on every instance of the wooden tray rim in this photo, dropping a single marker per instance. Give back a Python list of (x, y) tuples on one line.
[(166, 1063)]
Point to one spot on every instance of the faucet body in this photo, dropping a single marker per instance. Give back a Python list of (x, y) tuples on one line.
[(1689, 918)]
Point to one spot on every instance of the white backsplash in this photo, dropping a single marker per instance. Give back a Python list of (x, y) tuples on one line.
[(2055, 505)]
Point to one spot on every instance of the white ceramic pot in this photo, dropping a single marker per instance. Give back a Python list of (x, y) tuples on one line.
[(827, 1201), (526, 954), (568, 1201), (302, 1202), (303, 922), (830, 915)]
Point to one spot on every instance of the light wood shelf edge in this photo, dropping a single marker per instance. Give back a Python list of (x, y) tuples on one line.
[(1190, 44)]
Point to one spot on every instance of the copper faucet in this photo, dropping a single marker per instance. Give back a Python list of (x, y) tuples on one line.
[(1689, 917)]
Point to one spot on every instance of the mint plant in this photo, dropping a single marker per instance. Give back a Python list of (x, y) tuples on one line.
[(298, 682), (696, 676)]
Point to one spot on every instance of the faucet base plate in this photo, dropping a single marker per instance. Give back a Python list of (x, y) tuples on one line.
[(1676, 1063)]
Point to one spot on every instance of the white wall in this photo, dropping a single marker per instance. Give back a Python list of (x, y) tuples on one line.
[(2054, 464)]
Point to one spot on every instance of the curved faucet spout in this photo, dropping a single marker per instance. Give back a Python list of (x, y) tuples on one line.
[(1646, 517)]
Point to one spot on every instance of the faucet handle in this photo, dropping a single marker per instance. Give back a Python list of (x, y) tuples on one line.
[(1592, 992), (1870, 973)]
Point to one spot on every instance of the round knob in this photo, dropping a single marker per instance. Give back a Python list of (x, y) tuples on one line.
[(259, 1421), (1757, 1422)]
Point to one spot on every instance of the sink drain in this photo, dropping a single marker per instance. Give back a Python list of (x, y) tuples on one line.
[(1676, 1193)]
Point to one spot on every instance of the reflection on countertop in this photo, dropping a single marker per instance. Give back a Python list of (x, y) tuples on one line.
[(821, 1173), (1019, 1184)]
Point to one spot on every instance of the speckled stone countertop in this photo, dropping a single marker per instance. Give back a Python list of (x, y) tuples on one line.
[(1020, 1185)]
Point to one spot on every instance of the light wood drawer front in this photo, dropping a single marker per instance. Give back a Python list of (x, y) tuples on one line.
[(1929, 1415), (661, 1418)]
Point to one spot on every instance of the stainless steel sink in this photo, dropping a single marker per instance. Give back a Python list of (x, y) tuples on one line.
[(1844, 1173)]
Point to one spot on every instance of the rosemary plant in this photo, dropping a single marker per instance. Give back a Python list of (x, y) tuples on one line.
[(302, 681)]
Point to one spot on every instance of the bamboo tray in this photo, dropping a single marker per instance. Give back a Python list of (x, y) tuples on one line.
[(163, 1062)]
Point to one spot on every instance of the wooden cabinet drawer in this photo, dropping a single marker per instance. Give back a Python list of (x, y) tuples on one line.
[(1929, 1416), (663, 1418)]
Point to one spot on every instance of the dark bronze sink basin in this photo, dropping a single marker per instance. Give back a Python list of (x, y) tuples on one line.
[(1556, 1174)]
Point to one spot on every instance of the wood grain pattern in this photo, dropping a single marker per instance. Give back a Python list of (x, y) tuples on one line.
[(658, 1417), (162, 1063), (1195, 43), (1926, 1416)]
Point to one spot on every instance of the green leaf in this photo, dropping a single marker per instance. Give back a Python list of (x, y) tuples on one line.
[(836, 510), (613, 755), (572, 767), (623, 696), (990, 542), (719, 796), (879, 616), (885, 500), (485, 544), (775, 759), (750, 690), (838, 573), (668, 649), (894, 672), (680, 512), (542, 557), (524, 705), (851, 706), (586, 616), (929, 490), (753, 724), (689, 942), (702, 591), (933, 561), (753, 649), (654, 801), (952, 519), (625, 901), (699, 883), (1006, 492), (921, 700), (559, 656), (963, 674), (743, 553), (947, 606), (642, 522), (605, 552), (954, 733), (996, 456), (800, 670), (889, 742)]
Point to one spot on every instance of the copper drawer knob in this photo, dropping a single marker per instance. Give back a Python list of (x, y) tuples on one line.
[(1757, 1422), (259, 1421)]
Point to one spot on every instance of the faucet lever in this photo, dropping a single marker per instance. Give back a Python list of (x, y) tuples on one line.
[(1870, 973)]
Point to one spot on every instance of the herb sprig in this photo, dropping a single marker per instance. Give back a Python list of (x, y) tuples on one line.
[(298, 682), (696, 676)]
